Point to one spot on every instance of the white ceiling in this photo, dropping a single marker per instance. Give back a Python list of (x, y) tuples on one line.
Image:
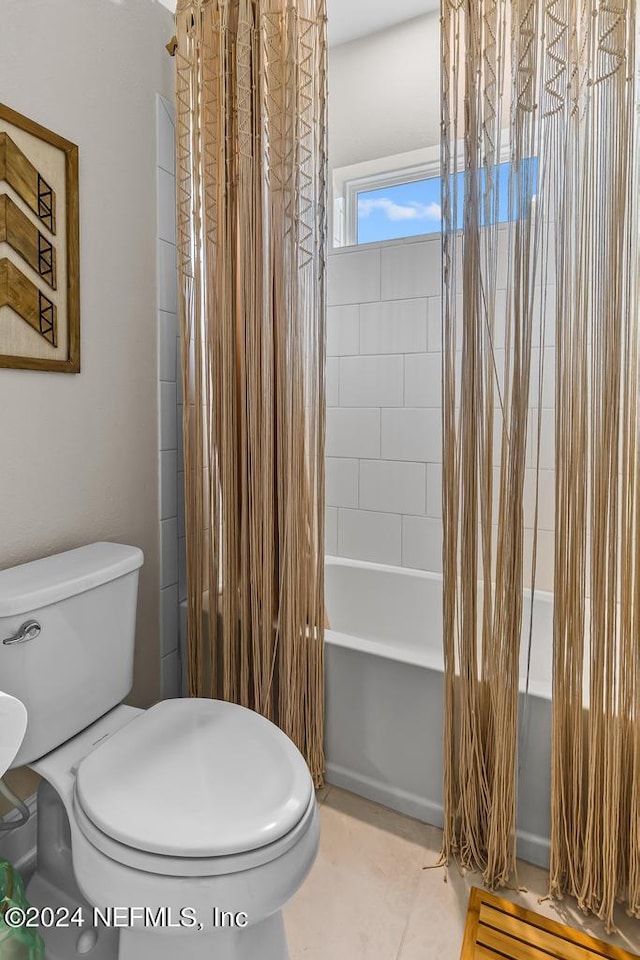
[(350, 19)]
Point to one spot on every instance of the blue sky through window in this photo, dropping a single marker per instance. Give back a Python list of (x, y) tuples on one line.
[(411, 209)]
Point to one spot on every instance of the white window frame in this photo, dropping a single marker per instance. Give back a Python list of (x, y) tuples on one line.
[(351, 180), (378, 182)]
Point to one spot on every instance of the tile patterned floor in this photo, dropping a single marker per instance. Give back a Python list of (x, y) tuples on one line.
[(369, 896)]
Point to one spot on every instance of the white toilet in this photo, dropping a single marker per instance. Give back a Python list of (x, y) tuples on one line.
[(199, 814)]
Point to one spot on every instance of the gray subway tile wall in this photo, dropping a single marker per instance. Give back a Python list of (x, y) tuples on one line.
[(341, 482), (169, 619), (168, 341), (332, 381), (393, 486), (168, 484), (343, 330), (168, 552), (353, 432), (412, 433), (384, 433), (354, 278), (170, 675), (331, 531), (167, 287), (168, 415), (168, 409), (411, 270), (423, 380), (367, 535), (393, 326), (422, 543), (371, 381)]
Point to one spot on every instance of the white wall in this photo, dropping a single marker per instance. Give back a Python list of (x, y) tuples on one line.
[(79, 453), (384, 92)]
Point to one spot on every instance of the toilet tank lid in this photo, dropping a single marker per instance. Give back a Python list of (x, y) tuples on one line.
[(40, 583)]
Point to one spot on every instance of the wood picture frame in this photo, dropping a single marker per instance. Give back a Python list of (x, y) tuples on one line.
[(39, 247)]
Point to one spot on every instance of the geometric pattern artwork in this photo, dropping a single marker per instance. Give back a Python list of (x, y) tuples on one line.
[(47, 318), (23, 236), (16, 229), (46, 204), (28, 183), (25, 299), (37, 249), (46, 260)]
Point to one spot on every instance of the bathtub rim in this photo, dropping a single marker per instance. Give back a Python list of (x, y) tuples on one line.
[(428, 659), (391, 568)]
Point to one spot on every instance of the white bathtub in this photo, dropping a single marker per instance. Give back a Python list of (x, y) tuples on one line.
[(384, 696)]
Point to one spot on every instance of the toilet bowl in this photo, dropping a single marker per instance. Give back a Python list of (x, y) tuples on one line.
[(227, 859), (180, 831)]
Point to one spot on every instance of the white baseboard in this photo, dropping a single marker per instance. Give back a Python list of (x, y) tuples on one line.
[(533, 849), (18, 846), (530, 847), (403, 801)]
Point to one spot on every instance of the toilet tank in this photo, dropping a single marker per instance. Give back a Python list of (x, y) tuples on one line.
[(79, 665)]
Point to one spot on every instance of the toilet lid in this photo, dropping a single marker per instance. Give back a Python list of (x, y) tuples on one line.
[(195, 778)]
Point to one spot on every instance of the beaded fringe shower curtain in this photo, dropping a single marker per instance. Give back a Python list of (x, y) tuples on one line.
[(547, 87), (251, 167)]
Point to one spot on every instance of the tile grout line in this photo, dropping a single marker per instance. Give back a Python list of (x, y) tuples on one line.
[(405, 930), (164, 170)]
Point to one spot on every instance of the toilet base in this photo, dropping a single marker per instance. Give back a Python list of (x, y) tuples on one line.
[(70, 943), (265, 940), (54, 885)]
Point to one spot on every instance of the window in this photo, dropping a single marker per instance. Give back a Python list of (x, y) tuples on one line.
[(408, 203), (398, 210)]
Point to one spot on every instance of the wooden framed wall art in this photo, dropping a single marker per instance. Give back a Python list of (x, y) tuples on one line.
[(39, 247)]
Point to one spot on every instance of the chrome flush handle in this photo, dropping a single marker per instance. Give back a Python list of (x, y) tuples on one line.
[(28, 631)]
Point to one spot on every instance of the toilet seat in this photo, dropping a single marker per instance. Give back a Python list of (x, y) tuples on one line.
[(194, 787), (201, 867)]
